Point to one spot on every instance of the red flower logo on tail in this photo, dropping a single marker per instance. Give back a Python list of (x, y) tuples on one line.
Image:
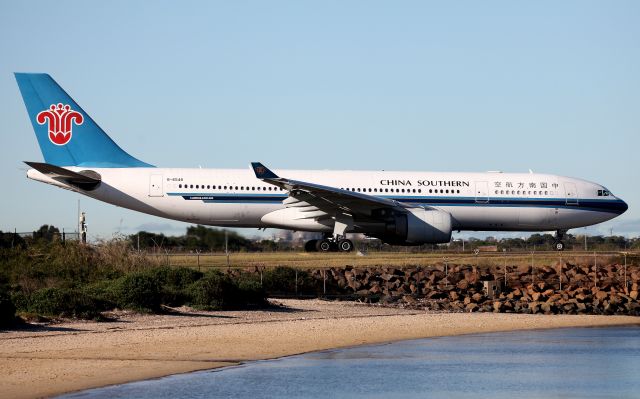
[(61, 118)]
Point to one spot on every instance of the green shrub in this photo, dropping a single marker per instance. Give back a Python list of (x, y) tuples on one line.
[(138, 291), (174, 283), (251, 292), (64, 302), (214, 291), (282, 280), (7, 308)]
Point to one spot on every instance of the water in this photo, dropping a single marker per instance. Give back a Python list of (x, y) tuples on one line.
[(560, 363)]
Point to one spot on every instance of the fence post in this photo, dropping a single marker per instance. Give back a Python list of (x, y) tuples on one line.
[(505, 270), (625, 273), (324, 282), (595, 269), (560, 273), (296, 282), (532, 271)]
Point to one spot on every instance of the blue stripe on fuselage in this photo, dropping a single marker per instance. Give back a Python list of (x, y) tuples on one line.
[(599, 205)]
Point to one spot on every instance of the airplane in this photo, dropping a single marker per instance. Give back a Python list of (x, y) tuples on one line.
[(399, 208)]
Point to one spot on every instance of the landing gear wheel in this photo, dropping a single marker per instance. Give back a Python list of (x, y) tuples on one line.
[(311, 246), (345, 245), (559, 246), (324, 245)]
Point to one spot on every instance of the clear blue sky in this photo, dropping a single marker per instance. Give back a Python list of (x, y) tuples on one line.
[(460, 86)]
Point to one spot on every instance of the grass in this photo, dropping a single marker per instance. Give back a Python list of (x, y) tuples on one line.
[(304, 260)]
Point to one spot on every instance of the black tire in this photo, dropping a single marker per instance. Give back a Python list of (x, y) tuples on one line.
[(324, 246), (559, 246), (311, 246), (345, 245)]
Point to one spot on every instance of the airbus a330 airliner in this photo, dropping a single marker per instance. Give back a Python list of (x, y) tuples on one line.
[(402, 208)]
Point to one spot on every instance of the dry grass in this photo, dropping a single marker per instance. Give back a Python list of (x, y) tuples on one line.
[(390, 259)]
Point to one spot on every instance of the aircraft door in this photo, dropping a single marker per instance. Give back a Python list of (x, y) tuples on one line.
[(155, 186), (571, 193), (482, 192)]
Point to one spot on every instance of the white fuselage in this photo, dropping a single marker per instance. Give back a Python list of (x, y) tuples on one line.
[(492, 201)]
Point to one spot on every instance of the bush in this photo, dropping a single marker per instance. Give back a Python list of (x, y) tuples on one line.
[(217, 291), (138, 291), (173, 283), (214, 291), (251, 291), (7, 308), (64, 302), (282, 280)]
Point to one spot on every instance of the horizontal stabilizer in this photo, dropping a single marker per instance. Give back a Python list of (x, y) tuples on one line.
[(86, 179)]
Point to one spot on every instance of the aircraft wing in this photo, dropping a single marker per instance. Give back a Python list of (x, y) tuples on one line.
[(327, 199)]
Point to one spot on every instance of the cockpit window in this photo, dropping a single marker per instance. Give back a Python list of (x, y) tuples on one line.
[(603, 193)]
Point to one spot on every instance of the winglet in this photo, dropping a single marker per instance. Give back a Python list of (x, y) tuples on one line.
[(262, 172)]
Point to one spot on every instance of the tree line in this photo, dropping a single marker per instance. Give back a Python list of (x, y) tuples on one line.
[(205, 239)]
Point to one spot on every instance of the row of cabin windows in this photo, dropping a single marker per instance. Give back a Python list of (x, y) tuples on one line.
[(241, 188), (518, 192), (401, 190), (360, 190)]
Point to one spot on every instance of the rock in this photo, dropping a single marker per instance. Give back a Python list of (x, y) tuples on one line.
[(581, 297), (453, 295), (536, 296), (497, 306), (462, 284), (600, 295), (534, 307), (477, 297), (554, 298), (386, 276), (634, 295), (409, 299), (472, 307), (375, 289)]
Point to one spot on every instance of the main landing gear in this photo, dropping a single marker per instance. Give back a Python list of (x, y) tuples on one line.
[(329, 244), (337, 241), (559, 245)]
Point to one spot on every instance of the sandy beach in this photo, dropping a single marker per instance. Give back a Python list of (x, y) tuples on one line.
[(70, 356)]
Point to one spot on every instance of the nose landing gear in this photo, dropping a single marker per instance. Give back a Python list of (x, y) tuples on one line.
[(559, 245)]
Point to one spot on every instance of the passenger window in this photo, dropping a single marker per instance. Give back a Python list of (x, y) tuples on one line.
[(192, 186)]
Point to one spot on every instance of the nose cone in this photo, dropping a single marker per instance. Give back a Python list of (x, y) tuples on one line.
[(623, 206)]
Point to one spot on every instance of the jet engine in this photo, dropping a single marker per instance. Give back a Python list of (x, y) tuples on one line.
[(418, 226)]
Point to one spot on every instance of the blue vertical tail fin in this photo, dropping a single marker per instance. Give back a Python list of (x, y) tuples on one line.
[(66, 134)]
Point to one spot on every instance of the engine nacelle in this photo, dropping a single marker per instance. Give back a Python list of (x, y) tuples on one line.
[(419, 226)]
